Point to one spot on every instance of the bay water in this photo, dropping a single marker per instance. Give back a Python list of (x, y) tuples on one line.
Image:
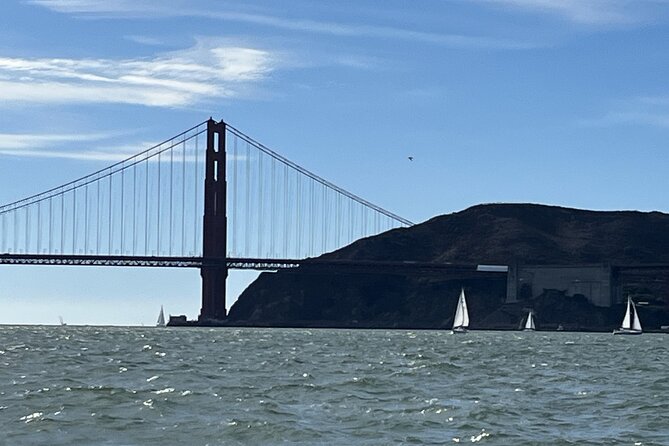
[(68, 385)]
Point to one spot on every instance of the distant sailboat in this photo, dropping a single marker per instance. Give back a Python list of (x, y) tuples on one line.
[(161, 318), (631, 324), (529, 322), (60, 318), (461, 320)]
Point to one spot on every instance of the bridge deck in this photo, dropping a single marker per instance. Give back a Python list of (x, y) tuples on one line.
[(261, 264)]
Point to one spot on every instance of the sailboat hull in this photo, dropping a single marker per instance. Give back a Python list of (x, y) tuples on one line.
[(626, 331), (528, 329), (459, 330)]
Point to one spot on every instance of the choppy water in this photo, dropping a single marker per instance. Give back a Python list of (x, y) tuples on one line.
[(132, 386)]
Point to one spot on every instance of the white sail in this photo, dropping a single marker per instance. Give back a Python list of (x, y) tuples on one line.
[(631, 323), (161, 318), (636, 325), (461, 314), (529, 323), (627, 319)]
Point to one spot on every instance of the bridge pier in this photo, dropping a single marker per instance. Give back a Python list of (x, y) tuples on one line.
[(214, 271)]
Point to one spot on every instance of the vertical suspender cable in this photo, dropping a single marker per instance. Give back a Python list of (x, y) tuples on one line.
[(86, 219), (235, 199), (171, 240), (122, 209), (111, 215), (39, 226), (247, 205), (364, 221), (260, 203), (183, 198), (98, 208), (312, 218), (273, 222), (298, 216), (16, 230), (50, 225), (134, 207), (146, 207), (74, 220), (62, 222), (286, 214), (325, 218), (338, 222), (158, 204), (27, 233), (195, 188)]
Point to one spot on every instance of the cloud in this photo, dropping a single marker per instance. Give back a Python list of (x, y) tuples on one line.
[(24, 140), (653, 119), (652, 111), (174, 79), (96, 7), (592, 12), (176, 8), (81, 155), (144, 40), (66, 146)]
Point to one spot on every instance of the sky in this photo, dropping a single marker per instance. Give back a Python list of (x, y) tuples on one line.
[(561, 102)]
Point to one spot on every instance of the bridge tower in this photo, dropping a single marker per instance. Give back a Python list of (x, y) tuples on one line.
[(214, 270)]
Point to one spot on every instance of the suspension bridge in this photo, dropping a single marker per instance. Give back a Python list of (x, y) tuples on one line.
[(210, 197)]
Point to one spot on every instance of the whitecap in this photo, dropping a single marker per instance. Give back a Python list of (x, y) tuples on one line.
[(32, 417), (153, 378), (165, 390), (479, 437)]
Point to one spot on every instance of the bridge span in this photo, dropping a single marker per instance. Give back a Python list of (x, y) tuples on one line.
[(210, 198)]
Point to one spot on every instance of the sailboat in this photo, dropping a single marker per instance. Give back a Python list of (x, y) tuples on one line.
[(529, 322), (631, 324), (161, 318), (461, 319)]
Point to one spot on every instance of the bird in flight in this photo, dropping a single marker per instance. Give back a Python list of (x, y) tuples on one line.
[(410, 158)]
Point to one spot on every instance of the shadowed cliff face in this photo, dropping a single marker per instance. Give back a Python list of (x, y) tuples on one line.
[(483, 234)]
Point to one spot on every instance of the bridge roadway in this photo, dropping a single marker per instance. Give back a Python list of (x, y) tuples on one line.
[(267, 264), (259, 264)]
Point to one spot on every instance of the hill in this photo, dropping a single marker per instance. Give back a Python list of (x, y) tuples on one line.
[(485, 234)]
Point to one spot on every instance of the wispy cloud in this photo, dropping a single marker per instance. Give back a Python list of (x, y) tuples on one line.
[(110, 7), (144, 40), (629, 118), (25, 140), (67, 146), (592, 12), (138, 8), (80, 155), (170, 80), (650, 111)]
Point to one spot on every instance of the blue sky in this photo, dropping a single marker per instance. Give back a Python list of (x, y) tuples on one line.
[(557, 102)]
